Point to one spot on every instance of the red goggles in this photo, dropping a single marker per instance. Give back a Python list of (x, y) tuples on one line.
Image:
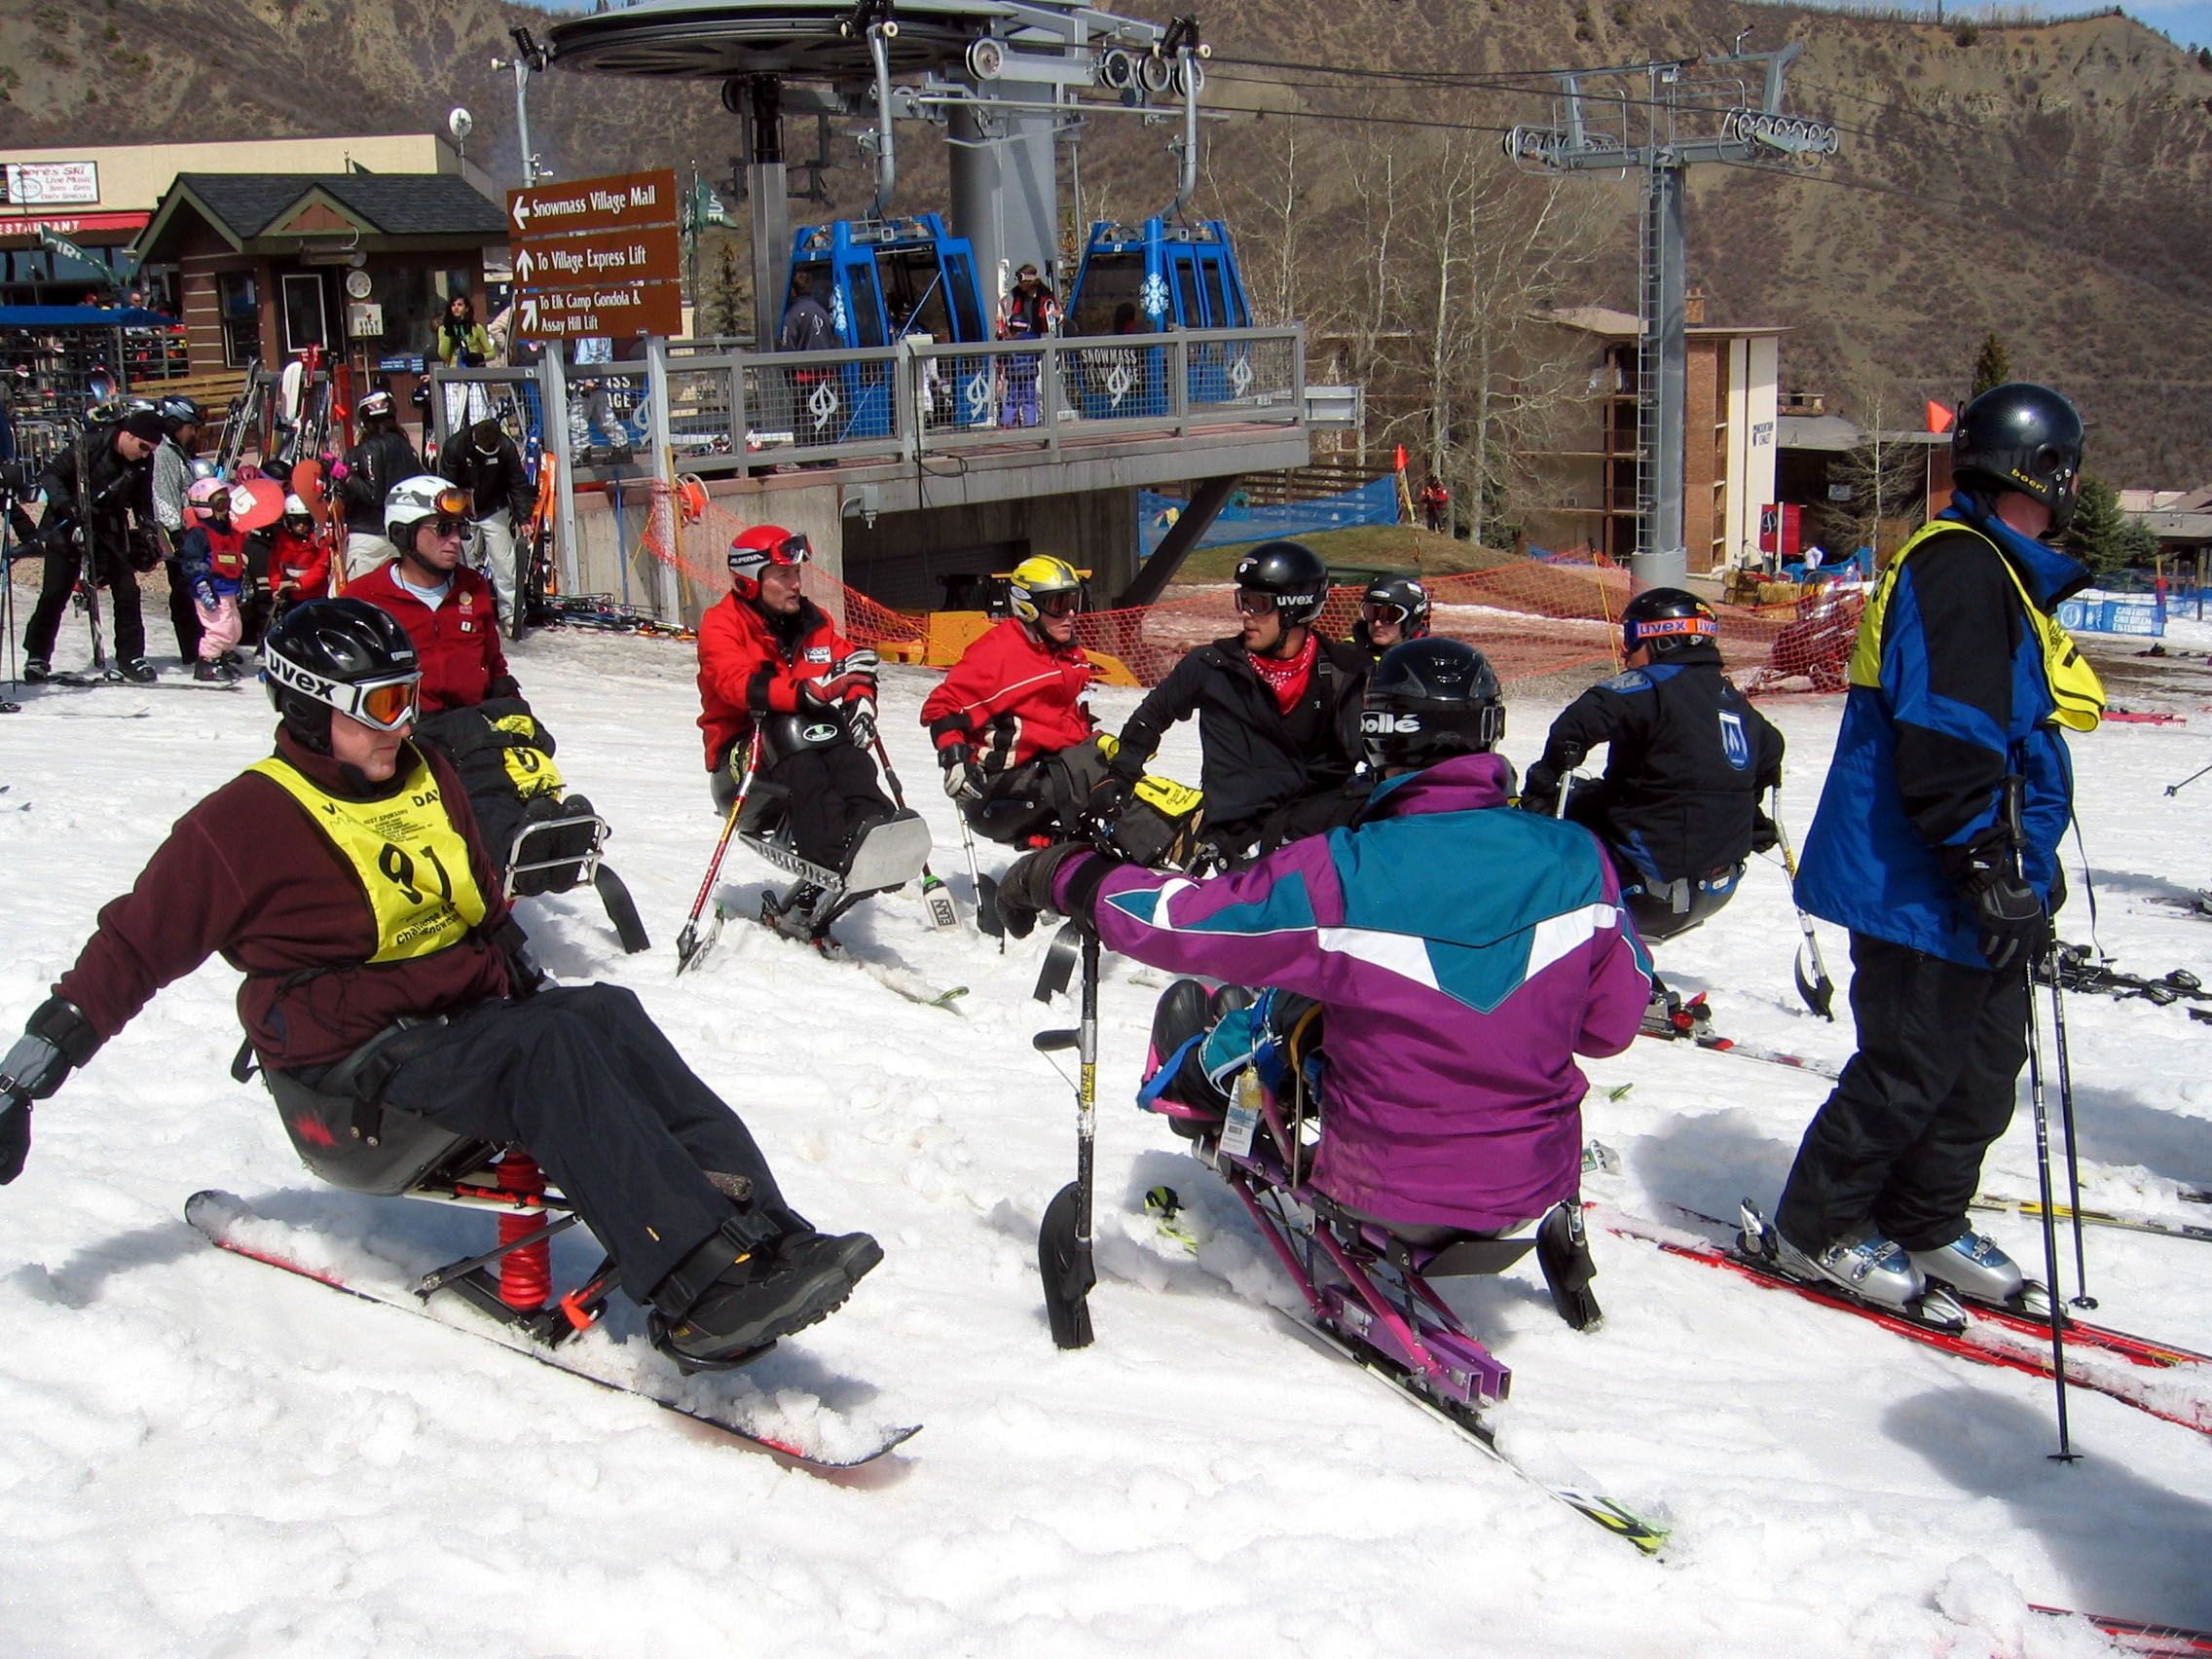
[(1065, 602)]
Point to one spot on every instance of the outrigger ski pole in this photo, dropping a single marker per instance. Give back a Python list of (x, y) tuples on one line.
[(988, 922), (2176, 789), (1816, 987), (1063, 1237), (690, 947)]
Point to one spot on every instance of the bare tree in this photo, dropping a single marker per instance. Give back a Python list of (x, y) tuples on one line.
[(1885, 475)]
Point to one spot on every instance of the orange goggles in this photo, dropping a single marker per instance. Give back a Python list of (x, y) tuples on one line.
[(387, 704)]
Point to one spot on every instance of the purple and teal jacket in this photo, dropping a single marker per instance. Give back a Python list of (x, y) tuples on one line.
[(1463, 954)]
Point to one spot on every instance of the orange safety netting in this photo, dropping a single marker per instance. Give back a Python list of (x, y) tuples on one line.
[(1530, 617)]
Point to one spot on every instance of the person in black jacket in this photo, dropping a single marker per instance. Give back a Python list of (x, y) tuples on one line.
[(371, 467), (1687, 760), (1278, 713), (486, 465), (91, 489)]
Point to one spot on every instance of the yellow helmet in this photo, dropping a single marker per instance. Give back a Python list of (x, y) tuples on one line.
[(1036, 576)]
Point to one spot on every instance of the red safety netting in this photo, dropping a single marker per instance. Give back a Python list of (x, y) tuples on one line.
[(1530, 617)]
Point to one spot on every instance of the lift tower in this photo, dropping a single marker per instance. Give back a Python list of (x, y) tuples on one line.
[(1659, 119)]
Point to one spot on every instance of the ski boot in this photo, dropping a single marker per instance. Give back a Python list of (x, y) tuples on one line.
[(1867, 1267), (1978, 1269), (803, 914), (756, 1297), (37, 671), (1180, 1020), (1563, 1251), (213, 671), (139, 672), (1665, 1015)]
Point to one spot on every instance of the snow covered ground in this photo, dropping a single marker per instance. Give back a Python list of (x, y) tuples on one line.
[(198, 1455)]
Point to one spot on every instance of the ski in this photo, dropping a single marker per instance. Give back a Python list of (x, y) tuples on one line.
[(2130, 1635), (1646, 1535), (1990, 1336), (229, 1225), (2078, 971), (903, 984), (2032, 1209), (1712, 1043)]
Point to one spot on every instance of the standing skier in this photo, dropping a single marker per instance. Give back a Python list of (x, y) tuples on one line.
[(303, 871), (769, 658), (484, 462), (1029, 311), (1687, 761), (1937, 844), (1462, 957), (105, 477), (1277, 707), (371, 468), (1010, 726), (181, 420), (1391, 611)]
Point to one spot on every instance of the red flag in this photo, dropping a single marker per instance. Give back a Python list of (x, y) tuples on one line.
[(1939, 419), (1401, 458)]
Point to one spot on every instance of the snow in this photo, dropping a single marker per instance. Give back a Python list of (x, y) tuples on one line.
[(200, 1456)]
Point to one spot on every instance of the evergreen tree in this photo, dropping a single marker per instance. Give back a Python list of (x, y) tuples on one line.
[(2098, 535), (1992, 365), (729, 299)]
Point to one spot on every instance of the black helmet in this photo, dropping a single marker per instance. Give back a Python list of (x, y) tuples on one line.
[(344, 655), (1293, 573), (1404, 592), (2025, 437), (178, 412), (1429, 700), (1668, 620)]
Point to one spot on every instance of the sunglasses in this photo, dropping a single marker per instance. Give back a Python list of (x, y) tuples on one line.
[(448, 524), (1252, 602), (1383, 610), (1065, 602)]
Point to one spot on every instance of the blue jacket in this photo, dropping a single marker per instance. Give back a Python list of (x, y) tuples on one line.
[(1464, 955), (1962, 702)]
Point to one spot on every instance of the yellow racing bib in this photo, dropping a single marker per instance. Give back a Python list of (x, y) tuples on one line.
[(410, 860), (529, 768)]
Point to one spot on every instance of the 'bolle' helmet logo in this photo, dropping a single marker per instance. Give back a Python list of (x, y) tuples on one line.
[(1382, 722)]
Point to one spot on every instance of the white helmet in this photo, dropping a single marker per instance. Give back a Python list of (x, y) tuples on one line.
[(411, 500), (376, 406)]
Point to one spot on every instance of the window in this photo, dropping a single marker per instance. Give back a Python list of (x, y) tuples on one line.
[(304, 324), (238, 298)]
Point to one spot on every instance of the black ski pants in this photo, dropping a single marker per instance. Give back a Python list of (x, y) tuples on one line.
[(582, 1078), (61, 580), (184, 618), (1043, 797), (1897, 1146)]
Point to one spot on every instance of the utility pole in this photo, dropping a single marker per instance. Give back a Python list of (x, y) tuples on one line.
[(1661, 118)]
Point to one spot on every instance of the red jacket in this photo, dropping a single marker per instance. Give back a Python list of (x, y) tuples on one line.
[(297, 569), (746, 669), (1012, 694), (458, 642), (245, 873)]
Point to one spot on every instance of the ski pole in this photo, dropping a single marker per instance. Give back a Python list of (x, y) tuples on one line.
[(2176, 789), (2082, 1296), (987, 919), (2065, 1452), (1818, 989), (687, 945)]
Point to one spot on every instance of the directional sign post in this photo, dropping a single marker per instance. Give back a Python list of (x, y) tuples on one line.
[(597, 256)]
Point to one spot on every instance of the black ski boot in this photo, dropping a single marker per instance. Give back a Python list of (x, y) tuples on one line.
[(37, 671), (802, 914), (213, 671), (139, 672), (756, 1296)]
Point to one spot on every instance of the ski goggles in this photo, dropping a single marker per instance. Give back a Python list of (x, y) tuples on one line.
[(750, 561), (1384, 610), (1251, 602), (385, 703), (1064, 603)]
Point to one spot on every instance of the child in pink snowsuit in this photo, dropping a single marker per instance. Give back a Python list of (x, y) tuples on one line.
[(213, 556)]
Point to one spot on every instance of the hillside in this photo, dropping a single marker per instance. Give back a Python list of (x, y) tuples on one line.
[(2045, 182)]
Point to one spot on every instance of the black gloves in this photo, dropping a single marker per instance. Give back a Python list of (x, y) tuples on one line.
[(1539, 791), (1108, 797), (2010, 922), (1025, 891), (964, 780), (1765, 838), (55, 1038)]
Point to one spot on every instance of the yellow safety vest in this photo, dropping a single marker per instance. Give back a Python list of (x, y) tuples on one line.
[(410, 860), (2075, 689), (529, 768)]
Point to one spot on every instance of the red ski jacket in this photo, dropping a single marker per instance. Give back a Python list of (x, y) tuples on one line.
[(1012, 697), (297, 569), (458, 642), (246, 873), (745, 669)]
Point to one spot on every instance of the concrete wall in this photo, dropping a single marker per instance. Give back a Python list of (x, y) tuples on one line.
[(903, 559)]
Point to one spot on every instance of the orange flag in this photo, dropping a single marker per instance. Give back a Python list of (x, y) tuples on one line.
[(1939, 419), (1401, 458)]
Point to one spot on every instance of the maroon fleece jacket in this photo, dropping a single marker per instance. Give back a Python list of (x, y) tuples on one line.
[(245, 873)]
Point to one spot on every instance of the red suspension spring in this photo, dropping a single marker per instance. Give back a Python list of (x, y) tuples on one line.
[(526, 1275)]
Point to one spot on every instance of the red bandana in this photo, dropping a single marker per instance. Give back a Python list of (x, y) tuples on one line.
[(1286, 676)]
